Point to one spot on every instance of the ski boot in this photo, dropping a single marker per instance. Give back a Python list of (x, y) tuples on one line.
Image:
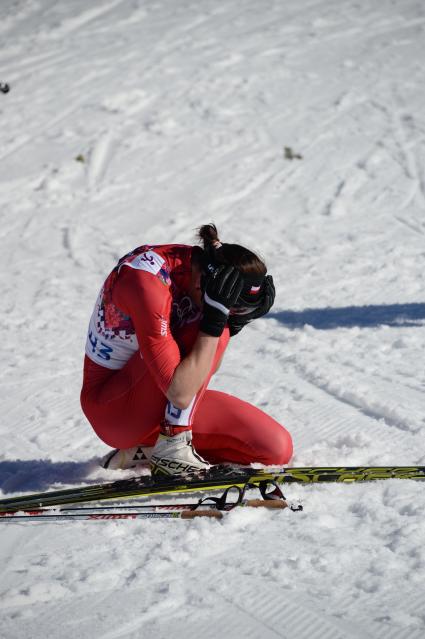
[(126, 458), (173, 453)]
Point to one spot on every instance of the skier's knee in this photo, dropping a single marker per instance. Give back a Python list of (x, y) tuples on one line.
[(279, 450)]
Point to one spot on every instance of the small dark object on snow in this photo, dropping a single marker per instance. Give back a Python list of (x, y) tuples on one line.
[(290, 155), (4, 87)]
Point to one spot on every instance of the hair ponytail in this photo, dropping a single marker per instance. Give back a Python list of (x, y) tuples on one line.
[(245, 260), (208, 236)]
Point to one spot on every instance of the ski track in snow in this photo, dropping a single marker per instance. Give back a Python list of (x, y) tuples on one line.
[(131, 122)]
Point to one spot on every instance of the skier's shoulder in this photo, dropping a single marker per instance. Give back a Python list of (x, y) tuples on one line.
[(147, 265), (152, 258)]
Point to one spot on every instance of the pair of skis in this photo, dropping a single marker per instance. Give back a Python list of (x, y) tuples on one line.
[(233, 481)]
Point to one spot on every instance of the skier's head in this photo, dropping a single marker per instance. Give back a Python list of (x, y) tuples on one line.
[(215, 253)]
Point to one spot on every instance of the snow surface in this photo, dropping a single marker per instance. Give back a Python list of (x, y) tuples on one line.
[(180, 113)]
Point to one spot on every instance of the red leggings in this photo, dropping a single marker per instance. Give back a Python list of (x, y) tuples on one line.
[(125, 408)]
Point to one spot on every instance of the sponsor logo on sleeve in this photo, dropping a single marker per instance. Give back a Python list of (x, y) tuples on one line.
[(164, 327)]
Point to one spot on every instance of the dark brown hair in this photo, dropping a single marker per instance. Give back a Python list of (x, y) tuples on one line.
[(242, 258)]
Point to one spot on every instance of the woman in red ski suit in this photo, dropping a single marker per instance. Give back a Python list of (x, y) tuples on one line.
[(159, 329)]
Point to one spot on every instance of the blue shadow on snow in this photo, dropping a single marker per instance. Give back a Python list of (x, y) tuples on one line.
[(39, 474), (350, 316)]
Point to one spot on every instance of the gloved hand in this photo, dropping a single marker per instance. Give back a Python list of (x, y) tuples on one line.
[(222, 290), (241, 316)]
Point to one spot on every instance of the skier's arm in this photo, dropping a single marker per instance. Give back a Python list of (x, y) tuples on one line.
[(218, 364), (148, 301), (192, 371), (222, 290)]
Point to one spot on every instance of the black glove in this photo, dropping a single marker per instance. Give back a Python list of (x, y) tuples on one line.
[(240, 317), (222, 290)]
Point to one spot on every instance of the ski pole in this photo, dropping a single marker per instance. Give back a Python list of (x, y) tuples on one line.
[(107, 516)]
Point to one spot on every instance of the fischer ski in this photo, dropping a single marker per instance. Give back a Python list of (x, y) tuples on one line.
[(217, 478)]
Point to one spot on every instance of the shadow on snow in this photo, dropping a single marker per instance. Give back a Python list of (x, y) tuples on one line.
[(350, 316), (36, 475)]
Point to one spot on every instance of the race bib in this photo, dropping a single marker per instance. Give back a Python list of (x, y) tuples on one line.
[(149, 261)]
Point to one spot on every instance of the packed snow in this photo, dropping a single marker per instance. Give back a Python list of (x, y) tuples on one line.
[(299, 129)]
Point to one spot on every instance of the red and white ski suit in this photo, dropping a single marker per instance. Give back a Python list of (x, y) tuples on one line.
[(143, 324)]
